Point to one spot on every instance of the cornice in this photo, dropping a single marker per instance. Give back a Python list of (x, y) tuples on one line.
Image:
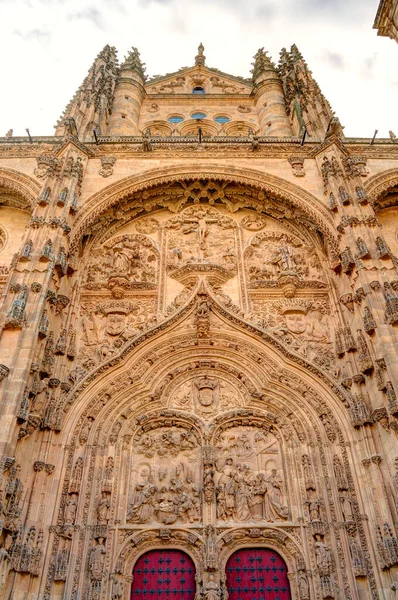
[(205, 99), (186, 146)]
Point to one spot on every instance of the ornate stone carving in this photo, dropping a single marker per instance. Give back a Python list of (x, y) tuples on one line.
[(107, 164), (70, 509), (16, 315), (274, 258), (297, 163), (202, 240), (108, 326), (97, 559), (249, 486), (253, 222), (166, 487)]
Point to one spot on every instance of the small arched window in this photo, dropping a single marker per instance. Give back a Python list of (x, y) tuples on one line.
[(198, 115), (222, 119), (175, 119), (198, 90)]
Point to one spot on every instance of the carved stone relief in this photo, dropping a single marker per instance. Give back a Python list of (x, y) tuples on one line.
[(201, 239), (165, 477), (249, 477), (205, 395), (128, 261), (303, 325), (273, 258), (106, 326)]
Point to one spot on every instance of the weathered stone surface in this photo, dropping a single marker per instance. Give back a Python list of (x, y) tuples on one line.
[(198, 336)]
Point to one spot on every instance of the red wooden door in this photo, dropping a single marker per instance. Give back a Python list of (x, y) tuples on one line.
[(163, 575), (257, 574)]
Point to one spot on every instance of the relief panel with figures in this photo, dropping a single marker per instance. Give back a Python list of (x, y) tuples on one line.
[(129, 261), (273, 255), (303, 325), (249, 476), (107, 325), (166, 477), (201, 239)]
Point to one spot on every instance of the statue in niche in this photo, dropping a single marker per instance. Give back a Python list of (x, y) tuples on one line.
[(248, 485), (322, 553), (97, 559), (117, 588), (211, 589), (165, 486), (70, 510), (303, 586), (103, 507), (346, 508), (77, 475)]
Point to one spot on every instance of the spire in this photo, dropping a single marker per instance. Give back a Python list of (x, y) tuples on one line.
[(94, 97), (262, 63), (133, 62), (304, 99), (200, 59)]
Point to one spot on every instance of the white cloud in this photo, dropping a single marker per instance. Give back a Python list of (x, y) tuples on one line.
[(49, 46)]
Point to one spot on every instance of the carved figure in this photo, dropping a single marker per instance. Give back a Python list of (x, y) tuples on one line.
[(211, 589), (304, 588), (117, 588), (61, 567), (76, 477), (346, 508), (188, 241), (274, 510), (339, 473), (97, 558), (103, 507), (144, 506), (70, 510), (15, 316), (323, 555)]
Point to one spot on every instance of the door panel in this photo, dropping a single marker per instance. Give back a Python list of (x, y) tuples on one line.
[(163, 574), (257, 574)]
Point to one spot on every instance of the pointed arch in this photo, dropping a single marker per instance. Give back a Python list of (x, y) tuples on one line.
[(22, 184), (111, 374), (380, 185), (313, 208)]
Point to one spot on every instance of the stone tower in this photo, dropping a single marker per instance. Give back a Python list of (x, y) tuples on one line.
[(198, 354)]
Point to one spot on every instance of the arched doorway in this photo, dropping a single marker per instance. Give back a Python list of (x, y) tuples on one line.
[(163, 575), (257, 574)]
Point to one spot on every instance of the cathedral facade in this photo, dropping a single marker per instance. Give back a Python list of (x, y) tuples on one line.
[(198, 354)]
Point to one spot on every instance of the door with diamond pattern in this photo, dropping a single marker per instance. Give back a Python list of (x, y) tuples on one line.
[(257, 574), (163, 575)]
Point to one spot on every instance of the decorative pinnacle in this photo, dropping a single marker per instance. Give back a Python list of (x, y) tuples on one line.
[(133, 62), (200, 58), (262, 62)]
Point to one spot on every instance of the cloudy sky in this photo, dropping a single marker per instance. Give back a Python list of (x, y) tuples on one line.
[(47, 47)]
